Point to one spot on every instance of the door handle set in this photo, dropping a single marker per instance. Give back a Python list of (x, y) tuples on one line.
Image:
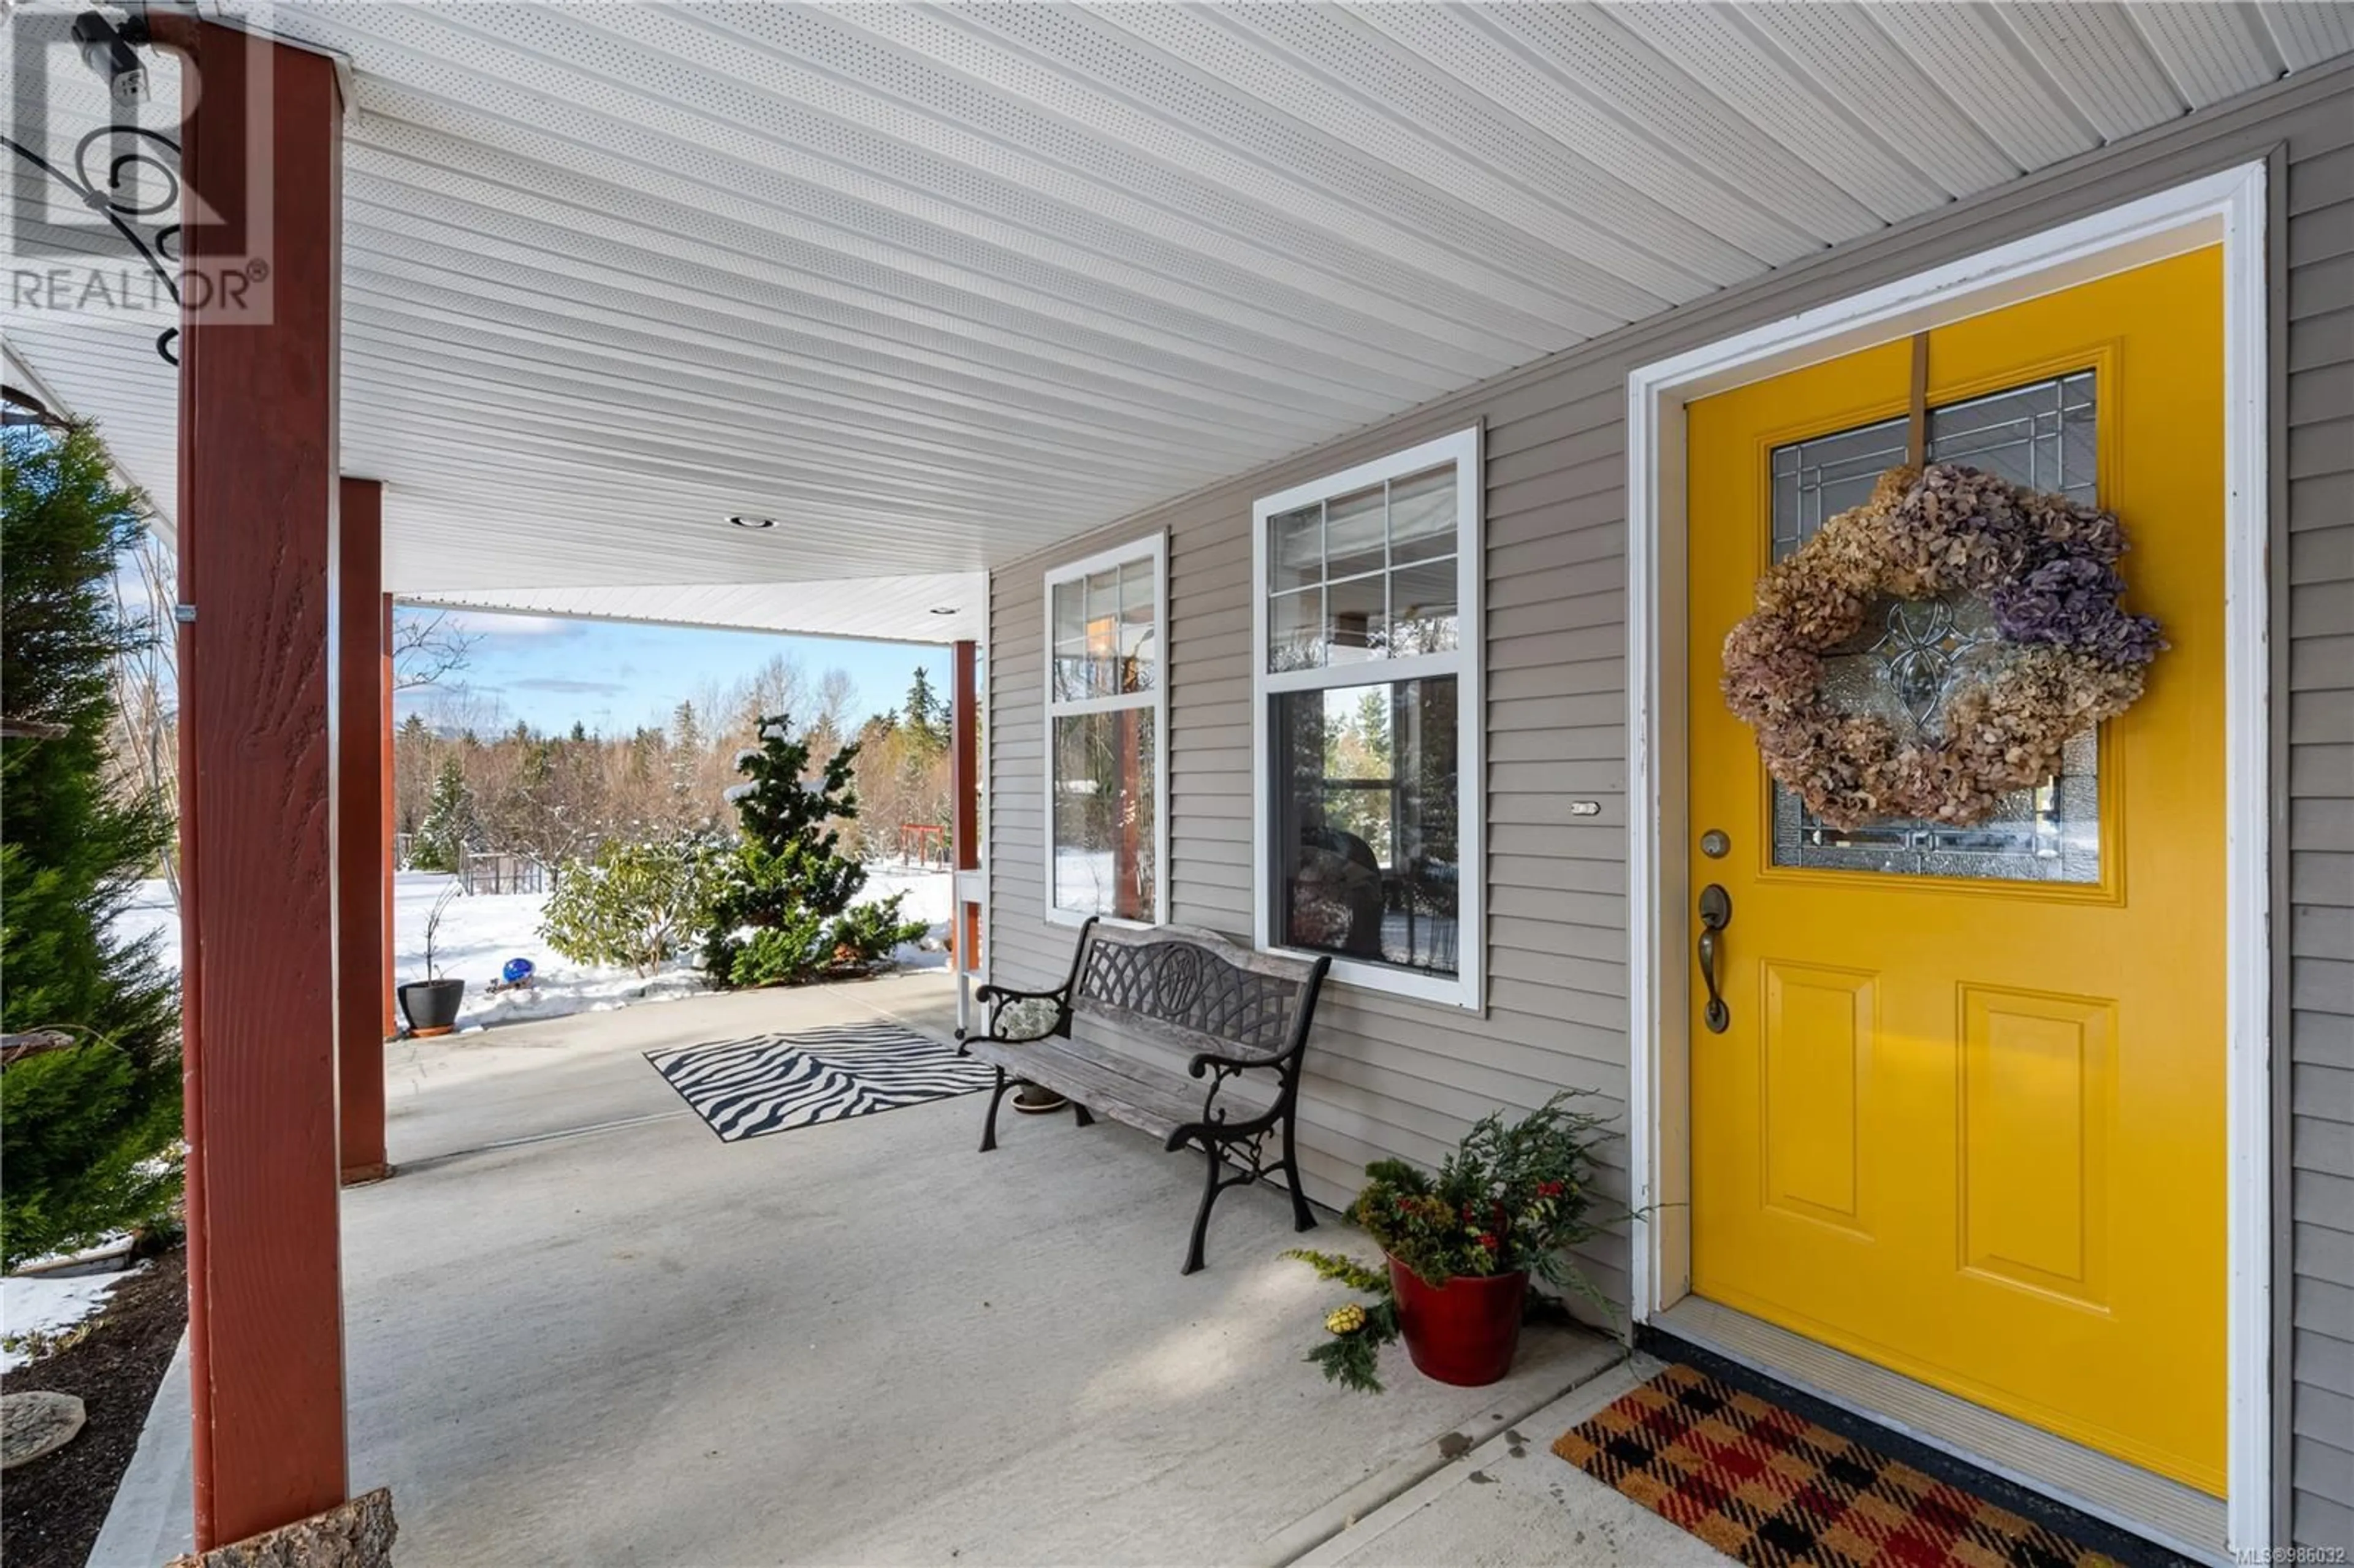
[(1715, 914)]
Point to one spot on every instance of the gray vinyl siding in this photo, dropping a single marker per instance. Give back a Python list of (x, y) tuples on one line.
[(2315, 670), (1390, 1077)]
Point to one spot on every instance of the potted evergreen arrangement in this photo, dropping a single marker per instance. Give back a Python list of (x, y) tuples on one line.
[(431, 1004), (1460, 1246)]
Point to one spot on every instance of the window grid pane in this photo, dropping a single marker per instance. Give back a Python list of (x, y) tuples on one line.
[(1295, 549), (1356, 533), (1357, 578), (1296, 631), (1105, 633), (1137, 642), (1070, 640), (1422, 514), (1356, 618)]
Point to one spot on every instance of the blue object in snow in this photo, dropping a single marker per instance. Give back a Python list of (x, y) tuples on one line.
[(517, 970)]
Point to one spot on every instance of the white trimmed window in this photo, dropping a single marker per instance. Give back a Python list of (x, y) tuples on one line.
[(1107, 720), (1366, 699)]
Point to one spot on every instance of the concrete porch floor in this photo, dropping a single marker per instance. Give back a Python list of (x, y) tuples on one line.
[(581, 1330)]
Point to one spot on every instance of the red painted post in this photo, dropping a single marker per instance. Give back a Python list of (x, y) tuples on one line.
[(363, 974), (256, 541), (389, 827), (964, 788)]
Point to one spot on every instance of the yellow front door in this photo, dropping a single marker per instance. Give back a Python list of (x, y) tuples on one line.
[(1966, 1118)]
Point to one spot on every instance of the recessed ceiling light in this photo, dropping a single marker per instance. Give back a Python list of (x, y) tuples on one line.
[(944, 609), (743, 521)]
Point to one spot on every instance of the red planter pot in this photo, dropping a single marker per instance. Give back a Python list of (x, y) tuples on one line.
[(1464, 1331)]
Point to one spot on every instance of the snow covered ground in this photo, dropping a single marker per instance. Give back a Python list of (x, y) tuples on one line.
[(48, 1304), (931, 894), (480, 932)]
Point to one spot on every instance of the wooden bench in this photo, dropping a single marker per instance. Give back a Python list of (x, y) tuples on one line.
[(1235, 1010)]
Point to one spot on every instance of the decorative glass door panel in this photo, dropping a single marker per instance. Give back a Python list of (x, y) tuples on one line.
[(1910, 653)]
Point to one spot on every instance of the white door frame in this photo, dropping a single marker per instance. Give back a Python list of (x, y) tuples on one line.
[(2227, 207)]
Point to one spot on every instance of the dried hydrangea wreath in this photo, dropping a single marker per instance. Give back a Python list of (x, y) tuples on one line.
[(2068, 657)]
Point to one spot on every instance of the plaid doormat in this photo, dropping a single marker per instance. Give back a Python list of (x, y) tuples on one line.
[(1769, 1487)]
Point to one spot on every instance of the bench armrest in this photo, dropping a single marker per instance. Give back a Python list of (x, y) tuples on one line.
[(998, 998), (1207, 1060), (1007, 994), (1218, 1068), (965, 1041)]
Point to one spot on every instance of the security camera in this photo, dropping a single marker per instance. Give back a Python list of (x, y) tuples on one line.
[(107, 51)]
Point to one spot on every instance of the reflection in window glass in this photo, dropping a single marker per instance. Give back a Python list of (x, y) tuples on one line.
[(1104, 625), (1137, 616), (1422, 608), (1104, 813), (1104, 697), (1295, 549), (1296, 629), (1367, 575), (1422, 514), (1356, 619), (1355, 534), (1070, 623), (1366, 825)]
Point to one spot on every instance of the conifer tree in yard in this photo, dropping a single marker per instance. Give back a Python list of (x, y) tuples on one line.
[(447, 826), (782, 908), (83, 1131), (926, 714), (686, 745)]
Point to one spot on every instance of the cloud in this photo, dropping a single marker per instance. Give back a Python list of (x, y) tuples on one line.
[(558, 684)]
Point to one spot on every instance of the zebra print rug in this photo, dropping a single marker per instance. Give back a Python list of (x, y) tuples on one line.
[(769, 1082)]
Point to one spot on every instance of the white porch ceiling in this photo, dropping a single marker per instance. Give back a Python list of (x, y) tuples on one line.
[(928, 607), (937, 285)]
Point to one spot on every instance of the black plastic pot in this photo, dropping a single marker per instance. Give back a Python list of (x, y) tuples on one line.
[(431, 1006)]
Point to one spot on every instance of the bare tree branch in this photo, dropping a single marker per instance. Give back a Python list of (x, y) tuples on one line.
[(429, 648), (142, 751)]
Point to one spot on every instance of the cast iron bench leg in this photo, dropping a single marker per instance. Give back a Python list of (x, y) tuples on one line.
[(1302, 1219), (988, 1128), (1202, 1217)]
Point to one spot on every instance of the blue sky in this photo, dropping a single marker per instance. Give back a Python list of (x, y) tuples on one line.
[(613, 676)]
